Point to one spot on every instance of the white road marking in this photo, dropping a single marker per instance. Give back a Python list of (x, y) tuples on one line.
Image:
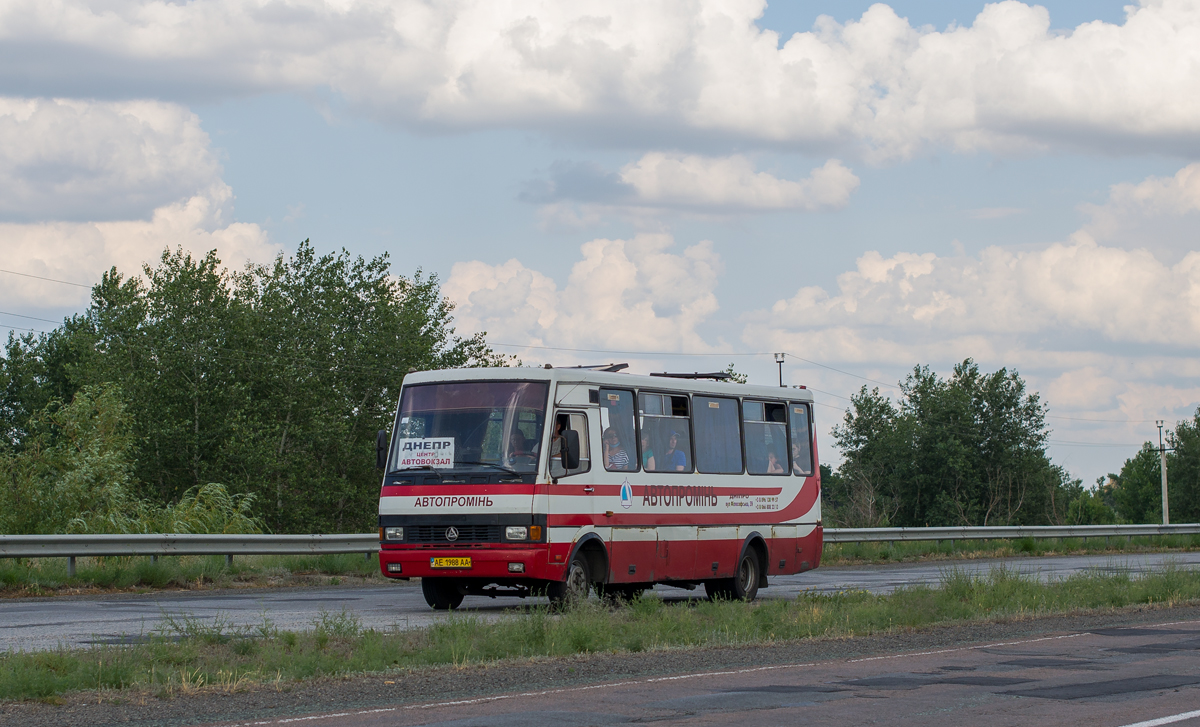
[(497, 698), (968, 648), (681, 677), (1166, 720)]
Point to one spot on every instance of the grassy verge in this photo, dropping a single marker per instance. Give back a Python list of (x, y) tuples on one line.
[(863, 553), (47, 576), (190, 656)]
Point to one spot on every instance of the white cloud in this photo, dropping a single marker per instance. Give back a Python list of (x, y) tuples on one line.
[(576, 196), (89, 185), (623, 295), (1106, 333), (1077, 286), (704, 68), (1106, 281), (1160, 214), (82, 251), (63, 159), (732, 183)]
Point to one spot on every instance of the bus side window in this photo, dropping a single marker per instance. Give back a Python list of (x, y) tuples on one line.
[(576, 421), (718, 449), (801, 436), (666, 433), (765, 434), (618, 430)]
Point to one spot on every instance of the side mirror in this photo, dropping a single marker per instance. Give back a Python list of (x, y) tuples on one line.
[(571, 455), (381, 449)]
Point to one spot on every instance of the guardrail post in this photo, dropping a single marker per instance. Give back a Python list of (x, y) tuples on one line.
[(229, 560), (367, 556), (70, 566), (154, 559)]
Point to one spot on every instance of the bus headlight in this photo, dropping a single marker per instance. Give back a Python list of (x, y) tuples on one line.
[(516, 532), (393, 533)]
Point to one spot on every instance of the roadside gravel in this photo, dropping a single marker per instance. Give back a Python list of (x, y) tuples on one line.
[(143, 709)]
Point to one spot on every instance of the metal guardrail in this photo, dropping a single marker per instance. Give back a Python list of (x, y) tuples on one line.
[(76, 546), (877, 535)]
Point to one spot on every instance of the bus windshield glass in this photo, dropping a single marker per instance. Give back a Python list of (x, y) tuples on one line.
[(468, 425)]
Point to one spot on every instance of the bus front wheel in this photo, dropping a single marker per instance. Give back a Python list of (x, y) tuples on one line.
[(744, 584), (574, 587), (441, 593)]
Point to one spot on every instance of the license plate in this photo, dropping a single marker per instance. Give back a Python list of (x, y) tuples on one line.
[(449, 562)]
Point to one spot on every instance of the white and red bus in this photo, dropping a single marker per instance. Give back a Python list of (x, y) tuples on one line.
[(520, 481)]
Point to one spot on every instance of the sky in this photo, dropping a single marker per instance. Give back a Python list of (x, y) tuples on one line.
[(677, 185)]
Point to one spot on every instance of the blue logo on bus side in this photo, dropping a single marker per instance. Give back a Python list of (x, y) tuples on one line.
[(626, 495)]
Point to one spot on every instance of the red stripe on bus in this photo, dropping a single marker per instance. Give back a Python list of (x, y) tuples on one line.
[(456, 490)]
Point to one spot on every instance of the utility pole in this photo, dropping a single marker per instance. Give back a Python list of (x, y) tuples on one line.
[(779, 360), (1162, 465)]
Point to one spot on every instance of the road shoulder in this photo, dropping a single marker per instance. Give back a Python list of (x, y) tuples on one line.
[(445, 683)]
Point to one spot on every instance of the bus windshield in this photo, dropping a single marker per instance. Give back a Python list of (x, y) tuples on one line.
[(470, 425)]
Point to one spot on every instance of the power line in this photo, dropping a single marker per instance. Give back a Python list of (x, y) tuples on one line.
[(39, 277), (1109, 421), (830, 406), (847, 373), (32, 318), (827, 393), (18, 328), (1090, 444)]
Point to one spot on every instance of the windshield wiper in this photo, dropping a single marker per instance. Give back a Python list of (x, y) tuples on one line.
[(509, 470), (430, 468)]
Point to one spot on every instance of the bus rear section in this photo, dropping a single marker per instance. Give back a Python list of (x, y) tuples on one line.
[(525, 482)]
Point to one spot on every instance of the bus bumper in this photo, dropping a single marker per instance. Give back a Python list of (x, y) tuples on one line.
[(490, 563)]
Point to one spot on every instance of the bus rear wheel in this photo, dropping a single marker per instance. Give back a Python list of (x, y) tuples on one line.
[(441, 593), (744, 584)]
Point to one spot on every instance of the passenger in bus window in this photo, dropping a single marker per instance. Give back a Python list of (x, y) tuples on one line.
[(773, 466), (615, 456), (647, 452), (799, 460), (675, 459), (556, 441)]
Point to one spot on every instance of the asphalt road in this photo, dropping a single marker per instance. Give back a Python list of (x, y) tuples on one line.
[(45, 623), (1109, 677)]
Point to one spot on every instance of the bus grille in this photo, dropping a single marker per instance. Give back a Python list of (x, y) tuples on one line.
[(466, 534)]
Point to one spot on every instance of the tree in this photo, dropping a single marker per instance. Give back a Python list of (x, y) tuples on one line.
[(1137, 490), (75, 474), (734, 376), (1183, 469), (272, 380), (968, 450), (37, 369)]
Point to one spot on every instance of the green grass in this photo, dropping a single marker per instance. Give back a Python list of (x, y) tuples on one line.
[(45, 576), (897, 551), (190, 656)]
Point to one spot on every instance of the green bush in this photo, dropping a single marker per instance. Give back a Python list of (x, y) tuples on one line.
[(75, 475)]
